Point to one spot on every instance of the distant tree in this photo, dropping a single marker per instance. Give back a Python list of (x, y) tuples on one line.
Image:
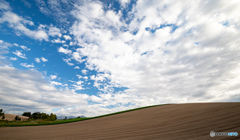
[(17, 118), (48, 118), (36, 115), (3, 117), (28, 114), (44, 116), (53, 117), (65, 118), (1, 112)]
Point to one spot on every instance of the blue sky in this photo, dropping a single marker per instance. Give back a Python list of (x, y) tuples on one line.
[(96, 57)]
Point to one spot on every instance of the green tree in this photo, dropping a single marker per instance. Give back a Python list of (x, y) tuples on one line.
[(36, 115), (53, 117), (1, 112), (28, 114), (3, 117), (17, 118)]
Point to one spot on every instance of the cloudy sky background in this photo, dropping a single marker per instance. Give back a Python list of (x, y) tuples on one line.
[(96, 57)]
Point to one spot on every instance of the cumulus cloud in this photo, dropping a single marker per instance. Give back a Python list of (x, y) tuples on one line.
[(58, 41), (27, 65), (27, 91), (25, 48), (78, 85), (20, 54), (15, 44), (169, 52), (59, 10), (13, 58), (67, 37), (4, 49), (54, 31), (53, 76), (37, 60), (124, 2), (85, 77), (84, 71), (68, 61), (56, 83), (44, 59), (76, 67), (79, 76), (19, 24), (65, 51)]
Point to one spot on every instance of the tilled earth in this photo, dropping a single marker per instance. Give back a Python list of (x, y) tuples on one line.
[(176, 121)]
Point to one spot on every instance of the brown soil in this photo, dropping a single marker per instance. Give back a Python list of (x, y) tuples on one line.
[(178, 121)]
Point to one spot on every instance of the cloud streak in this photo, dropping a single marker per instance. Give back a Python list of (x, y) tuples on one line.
[(19, 24)]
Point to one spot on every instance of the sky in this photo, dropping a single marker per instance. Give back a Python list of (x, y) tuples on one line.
[(94, 57)]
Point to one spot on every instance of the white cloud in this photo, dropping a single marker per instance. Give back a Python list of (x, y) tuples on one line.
[(76, 67), (4, 5), (71, 43), (54, 31), (42, 7), (13, 58), (20, 54), (27, 4), (53, 76), (56, 83), (183, 57), (58, 41), (124, 2), (67, 37), (85, 77), (19, 24), (37, 60), (27, 65), (59, 10), (65, 51), (77, 57), (68, 61), (84, 72), (25, 48), (27, 90), (4, 49), (15, 44), (78, 85), (44, 59), (79, 76)]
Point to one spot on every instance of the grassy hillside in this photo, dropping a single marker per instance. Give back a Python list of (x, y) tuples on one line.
[(41, 122)]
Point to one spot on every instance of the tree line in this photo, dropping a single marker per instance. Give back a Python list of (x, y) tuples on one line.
[(39, 115), (35, 116)]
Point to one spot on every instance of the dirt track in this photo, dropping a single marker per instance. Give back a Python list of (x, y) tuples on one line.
[(179, 121)]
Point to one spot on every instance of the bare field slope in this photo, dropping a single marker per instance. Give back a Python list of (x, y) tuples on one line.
[(177, 121), (11, 117)]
